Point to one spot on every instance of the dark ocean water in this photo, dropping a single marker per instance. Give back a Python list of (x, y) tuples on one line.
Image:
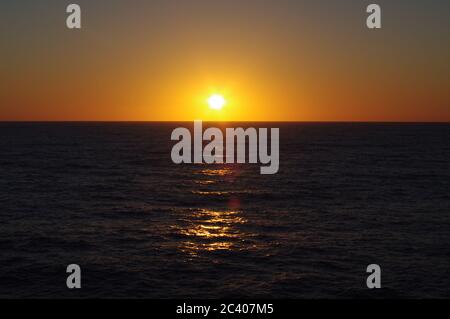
[(109, 198)]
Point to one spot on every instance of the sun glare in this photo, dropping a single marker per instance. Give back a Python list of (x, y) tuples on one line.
[(216, 102)]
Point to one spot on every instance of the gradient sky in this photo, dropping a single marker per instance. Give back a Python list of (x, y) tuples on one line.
[(284, 60)]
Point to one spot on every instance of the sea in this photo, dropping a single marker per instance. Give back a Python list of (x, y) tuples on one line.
[(107, 197)]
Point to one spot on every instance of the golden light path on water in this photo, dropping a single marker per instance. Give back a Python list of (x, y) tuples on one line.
[(211, 230)]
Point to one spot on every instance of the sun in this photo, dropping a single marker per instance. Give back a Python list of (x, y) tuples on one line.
[(216, 102)]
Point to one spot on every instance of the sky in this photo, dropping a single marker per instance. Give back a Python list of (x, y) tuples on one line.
[(272, 60)]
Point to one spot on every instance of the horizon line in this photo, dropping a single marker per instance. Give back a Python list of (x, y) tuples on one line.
[(219, 121)]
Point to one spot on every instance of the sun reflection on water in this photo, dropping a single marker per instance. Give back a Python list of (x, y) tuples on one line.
[(212, 230), (209, 230), (217, 172)]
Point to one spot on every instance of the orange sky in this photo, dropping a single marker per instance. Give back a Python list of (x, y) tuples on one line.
[(272, 60)]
